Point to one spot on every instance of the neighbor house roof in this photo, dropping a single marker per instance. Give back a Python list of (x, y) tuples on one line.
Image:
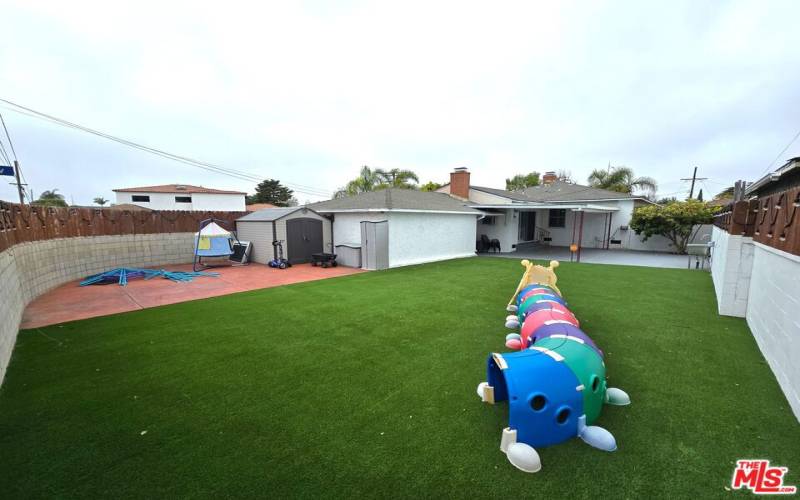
[(269, 214), (513, 195), (397, 200), (259, 206), (175, 188), (791, 165)]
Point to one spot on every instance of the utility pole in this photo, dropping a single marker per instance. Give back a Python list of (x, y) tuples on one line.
[(19, 183), (693, 178)]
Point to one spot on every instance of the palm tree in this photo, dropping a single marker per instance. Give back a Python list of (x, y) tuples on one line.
[(100, 201), (50, 198), (622, 180), (397, 178), (367, 180)]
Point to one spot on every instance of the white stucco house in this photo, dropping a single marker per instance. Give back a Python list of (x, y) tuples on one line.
[(403, 226), (182, 197), (554, 213)]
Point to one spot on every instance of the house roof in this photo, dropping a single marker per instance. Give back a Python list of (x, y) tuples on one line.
[(393, 199), (259, 206), (175, 188), (268, 214), (558, 191), (564, 191), (790, 165), (513, 195)]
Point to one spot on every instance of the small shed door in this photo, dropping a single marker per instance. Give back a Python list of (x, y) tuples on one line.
[(375, 245), (303, 238)]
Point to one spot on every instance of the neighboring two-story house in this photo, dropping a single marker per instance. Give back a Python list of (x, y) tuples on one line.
[(182, 197)]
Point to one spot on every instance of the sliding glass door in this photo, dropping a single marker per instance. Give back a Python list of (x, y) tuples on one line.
[(527, 226)]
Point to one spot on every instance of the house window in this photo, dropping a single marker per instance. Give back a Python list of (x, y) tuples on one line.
[(488, 221), (558, 217), (183, 199), (140, 198)]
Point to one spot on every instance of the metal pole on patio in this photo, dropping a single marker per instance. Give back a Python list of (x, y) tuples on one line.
[(580, 237)]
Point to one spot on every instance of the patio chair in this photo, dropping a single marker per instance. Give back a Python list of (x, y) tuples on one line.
[(489, 244)]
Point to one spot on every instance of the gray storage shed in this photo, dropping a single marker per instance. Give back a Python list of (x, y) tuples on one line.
[(303, 231)]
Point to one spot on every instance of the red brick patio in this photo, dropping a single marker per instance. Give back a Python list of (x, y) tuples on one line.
[(70, 302)]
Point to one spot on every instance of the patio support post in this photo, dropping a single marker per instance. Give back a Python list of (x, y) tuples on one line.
[(580, 236), (574, 221), (608, 238)]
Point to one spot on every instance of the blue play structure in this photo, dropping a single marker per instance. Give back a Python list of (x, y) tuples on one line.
[(121, 275)]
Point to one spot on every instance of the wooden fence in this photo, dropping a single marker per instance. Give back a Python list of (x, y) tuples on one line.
[(772, 220), (21, 223)]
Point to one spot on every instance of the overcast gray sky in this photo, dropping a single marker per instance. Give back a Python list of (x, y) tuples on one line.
[(307, 92)]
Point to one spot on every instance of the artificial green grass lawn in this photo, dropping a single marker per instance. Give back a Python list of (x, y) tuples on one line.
[(365, 386)]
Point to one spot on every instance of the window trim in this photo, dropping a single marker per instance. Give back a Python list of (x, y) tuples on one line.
[(142, 198), (183, 199)]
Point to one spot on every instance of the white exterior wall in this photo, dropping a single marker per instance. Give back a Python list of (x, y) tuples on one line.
[(772, 315), (731, 269), (505, 229), (347, 226), (762, 284), (415, 238), (200, 201)]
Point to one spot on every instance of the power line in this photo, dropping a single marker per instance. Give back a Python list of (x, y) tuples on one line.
[(781, 153), (10, 144), (158, 152)]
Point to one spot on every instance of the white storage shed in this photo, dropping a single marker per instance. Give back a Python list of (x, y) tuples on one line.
[(302, 231)]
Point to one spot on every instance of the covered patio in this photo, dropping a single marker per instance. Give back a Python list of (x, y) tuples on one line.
[(581, 226), (599, 256)]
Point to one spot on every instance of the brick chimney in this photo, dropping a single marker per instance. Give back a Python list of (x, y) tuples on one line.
[(459, 183), (549, 177)]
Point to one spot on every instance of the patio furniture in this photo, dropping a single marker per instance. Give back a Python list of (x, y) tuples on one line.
[(324, 260), (489, 244)]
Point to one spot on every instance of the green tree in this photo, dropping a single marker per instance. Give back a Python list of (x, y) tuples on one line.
[(430, 186), (100, 201), (673, 221), (522, 181), (622, 180), (397, 178), (724, 194), (51, 198), (271, 191)]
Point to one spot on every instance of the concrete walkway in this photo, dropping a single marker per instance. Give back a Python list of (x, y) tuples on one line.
[(599, 256), (70, 302)]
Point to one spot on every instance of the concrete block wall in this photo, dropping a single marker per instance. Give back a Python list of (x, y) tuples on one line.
[(731, 268), (773, 315), (30, 269)]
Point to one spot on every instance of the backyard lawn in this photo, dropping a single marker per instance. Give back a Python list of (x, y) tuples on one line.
[(364, 386)]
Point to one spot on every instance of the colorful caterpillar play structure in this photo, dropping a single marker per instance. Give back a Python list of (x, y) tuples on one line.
[(555, 383)]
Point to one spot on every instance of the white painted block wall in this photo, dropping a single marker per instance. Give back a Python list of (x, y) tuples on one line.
[(731, 268), (773, 315)]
